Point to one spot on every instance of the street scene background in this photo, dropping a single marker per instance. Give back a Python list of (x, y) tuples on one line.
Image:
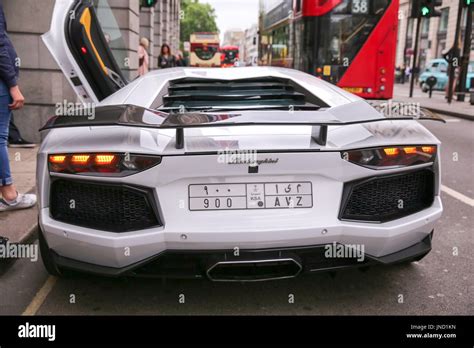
[(442, 283)]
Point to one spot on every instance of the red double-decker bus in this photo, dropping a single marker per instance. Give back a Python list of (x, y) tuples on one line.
[(350, 43), (229, 56)]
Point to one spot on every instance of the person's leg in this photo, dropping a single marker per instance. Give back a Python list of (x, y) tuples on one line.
[(6, 182), (11, 199)]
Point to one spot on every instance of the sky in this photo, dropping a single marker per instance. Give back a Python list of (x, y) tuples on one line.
[(234, 14)]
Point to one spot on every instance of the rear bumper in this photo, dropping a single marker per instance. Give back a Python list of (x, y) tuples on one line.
[(124, 250), (199, 264)]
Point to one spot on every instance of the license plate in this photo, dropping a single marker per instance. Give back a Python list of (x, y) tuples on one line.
[(327, 70), (276, 195), (353, 89)]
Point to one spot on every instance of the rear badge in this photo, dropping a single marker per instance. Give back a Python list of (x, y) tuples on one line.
[(253, 169)]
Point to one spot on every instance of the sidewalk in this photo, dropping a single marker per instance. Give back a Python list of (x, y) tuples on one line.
[(18, 226), (437, 103)]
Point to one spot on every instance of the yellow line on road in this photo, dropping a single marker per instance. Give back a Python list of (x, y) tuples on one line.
[(40, 296), (457, 195)]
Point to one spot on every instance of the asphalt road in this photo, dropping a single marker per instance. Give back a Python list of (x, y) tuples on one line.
[(440, 284)]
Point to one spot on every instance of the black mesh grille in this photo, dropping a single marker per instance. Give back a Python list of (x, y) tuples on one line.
[(197, 93), (106, 207), (390, 197)]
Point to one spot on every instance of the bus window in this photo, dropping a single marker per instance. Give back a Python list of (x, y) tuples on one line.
[(205, 50), (334, 40)]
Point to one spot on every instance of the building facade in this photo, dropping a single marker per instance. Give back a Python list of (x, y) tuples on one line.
[(234, 37), (41, 80), (250, 54), (436, 33)]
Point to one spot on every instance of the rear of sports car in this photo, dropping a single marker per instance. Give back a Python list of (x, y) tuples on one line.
[(238, 203)]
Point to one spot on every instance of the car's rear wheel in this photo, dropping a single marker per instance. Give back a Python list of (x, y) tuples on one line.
[(47, 256)]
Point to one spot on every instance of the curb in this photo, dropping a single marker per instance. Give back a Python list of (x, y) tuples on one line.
[(30, 235), (438, 110), (451, 113), (27, 237)]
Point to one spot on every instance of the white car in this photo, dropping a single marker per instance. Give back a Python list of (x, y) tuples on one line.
[(227, 174)]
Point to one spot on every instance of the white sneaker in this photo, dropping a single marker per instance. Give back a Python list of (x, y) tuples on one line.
[(22, 201)]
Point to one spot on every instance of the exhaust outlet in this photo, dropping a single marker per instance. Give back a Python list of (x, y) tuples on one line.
[(254, 270)]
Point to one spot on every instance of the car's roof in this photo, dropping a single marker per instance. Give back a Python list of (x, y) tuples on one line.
[(146, 90), (442, 60)]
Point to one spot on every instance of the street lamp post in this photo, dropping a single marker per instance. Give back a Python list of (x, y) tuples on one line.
[(454, 61), (466, 50), (415, 56)]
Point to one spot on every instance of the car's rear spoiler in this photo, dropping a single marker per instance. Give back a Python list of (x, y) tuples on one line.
[(135, 116)]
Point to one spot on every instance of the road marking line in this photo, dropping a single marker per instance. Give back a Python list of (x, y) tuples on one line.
[(40, 296), (457, 195), (453, 120)]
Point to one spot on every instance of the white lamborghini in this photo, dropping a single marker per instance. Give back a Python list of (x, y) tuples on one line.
[(238, 174)]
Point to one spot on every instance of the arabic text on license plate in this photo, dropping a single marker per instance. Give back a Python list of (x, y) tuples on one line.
[(276, 195)]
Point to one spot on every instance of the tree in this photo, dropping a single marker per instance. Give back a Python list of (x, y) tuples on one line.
[(197, 17)]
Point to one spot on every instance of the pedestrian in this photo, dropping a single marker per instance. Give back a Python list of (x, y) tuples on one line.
[(143, 58), (180, 61), (403, 73), (11, 98), (166, 59)]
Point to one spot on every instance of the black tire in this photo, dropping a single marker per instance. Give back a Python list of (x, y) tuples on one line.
[(47, 256)]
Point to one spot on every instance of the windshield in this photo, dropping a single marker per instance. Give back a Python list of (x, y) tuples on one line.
[(347, 29), (230, 56), (205, 52), (336, 38)]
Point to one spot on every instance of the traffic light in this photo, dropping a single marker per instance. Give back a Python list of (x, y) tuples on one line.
[(426, 8), (467, 3), (148, 3)]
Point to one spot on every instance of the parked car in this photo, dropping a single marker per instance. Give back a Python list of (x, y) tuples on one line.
[(439, 69), (243, 174)]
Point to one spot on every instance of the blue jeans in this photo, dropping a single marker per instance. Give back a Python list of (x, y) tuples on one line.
[(5, 115)]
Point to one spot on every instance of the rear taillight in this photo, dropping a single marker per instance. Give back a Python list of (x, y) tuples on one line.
[(101, 164), (391, 156)]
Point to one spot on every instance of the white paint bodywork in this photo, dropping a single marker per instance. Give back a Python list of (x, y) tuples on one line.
[(300, 160), (206, 230)]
